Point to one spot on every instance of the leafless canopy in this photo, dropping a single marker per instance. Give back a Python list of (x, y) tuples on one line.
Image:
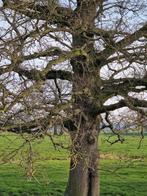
[(47, 76)]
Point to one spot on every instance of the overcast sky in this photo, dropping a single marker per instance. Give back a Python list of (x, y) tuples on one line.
[(105, 73)]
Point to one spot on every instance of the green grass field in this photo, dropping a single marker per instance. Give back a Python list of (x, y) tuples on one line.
[(123, 167)]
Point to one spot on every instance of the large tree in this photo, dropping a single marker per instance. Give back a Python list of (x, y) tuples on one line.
[(60, 64)]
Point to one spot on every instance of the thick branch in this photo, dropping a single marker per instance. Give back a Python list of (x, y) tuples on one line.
[(54, 13), (123, 86), (52, 74), (122, 103), (54, 51), (118, 46)]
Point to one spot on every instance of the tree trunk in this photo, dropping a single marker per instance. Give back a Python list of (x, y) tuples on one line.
[(55, 130), (83, 175)]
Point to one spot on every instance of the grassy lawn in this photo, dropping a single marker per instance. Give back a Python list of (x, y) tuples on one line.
[(123, 166)]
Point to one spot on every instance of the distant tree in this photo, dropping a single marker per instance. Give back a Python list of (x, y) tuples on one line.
[(61, 63)]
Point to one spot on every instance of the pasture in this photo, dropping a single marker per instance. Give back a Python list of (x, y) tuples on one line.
[(31, 167)]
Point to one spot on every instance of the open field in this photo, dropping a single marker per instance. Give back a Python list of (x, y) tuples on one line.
[(123, 167)]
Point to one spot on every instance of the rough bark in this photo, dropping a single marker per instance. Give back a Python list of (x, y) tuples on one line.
[(89, 91), (84, 176)]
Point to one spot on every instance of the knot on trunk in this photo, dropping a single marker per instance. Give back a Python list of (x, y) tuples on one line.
[(90, 139)]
